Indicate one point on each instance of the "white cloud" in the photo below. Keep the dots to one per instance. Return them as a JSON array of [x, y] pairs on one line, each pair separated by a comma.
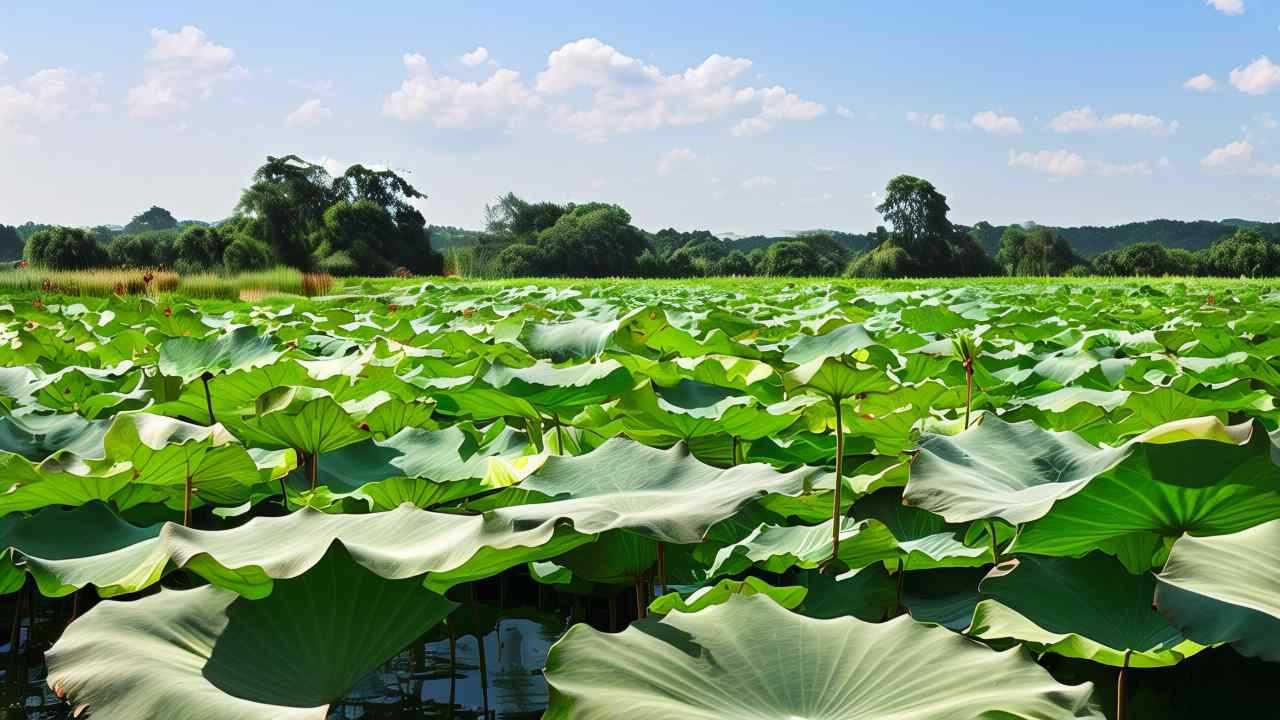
[[628, 95], [758, 182], [1058, 163], [1227, 7], [672, 159], [3, 58], [750, 127], [1238, 158], [997, 124], [48, 96], [1257, 78], [935, 121], [451, 103], [475, 57], [1085, 119], [844, 112], [311, 112], [181, 67], [1200, 83]]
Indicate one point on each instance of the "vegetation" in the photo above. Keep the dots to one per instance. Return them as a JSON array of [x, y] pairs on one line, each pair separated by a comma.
[[281, 495]]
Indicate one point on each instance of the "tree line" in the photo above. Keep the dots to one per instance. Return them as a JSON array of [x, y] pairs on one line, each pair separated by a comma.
[[364, 222]]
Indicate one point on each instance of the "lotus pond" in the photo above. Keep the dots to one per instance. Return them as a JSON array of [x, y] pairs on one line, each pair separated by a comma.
[[757, 500]]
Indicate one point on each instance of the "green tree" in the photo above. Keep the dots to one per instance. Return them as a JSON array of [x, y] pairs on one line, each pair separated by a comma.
[[1245, 253], [514, 217], [364, 232], [155, 218], [244, 254], [519, 260], [918, 214], [592, 240], [734, 264], [10, 243], [64, 248], [790, 259], [288, 198], [1036, 251], [200, 249]]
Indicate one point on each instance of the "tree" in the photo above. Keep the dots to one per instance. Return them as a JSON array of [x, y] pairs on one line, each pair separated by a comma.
[[245, 254], [918, 214], [517, 218], [288, 197], [10, 243], [64, 248], [592, 240], [156, 218], [1038, 251], [519, 260], [200, 249], [886, 261], [1245, 253], [734, 264], [364, 232], [155, 248], [789, 259]]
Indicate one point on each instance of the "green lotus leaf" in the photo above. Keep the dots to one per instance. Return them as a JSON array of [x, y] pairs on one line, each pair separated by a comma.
[[705, 597], [749, 658], [868, 594], [552, 388], [65, 550], [667, 495], [240, 349], [1097, 610], [36, 437], [776, 548], [841, 342], [210, 654], [308, 419], [840, 378], [690, 409], [1226, 589]]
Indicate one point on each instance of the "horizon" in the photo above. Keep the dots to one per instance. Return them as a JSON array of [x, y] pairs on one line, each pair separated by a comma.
[[758, 124]]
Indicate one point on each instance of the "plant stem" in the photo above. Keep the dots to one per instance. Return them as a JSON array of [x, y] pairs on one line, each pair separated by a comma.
[[902, 574], [835, 501], [734, 459], [640, 599], [1121, 699], [313, 469], [186, 498], [208, 399], [484, 676], [995, 550], [662, 567], [968, 390]]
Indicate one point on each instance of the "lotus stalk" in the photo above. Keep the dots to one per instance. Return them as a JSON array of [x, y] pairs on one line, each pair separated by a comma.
[[835, 496], [208, 398], [1121, 690], [964, 347], [484, 674], [662, 568], [995, 548]]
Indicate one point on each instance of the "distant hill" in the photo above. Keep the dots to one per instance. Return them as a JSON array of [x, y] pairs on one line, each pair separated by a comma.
[[1091, 240]]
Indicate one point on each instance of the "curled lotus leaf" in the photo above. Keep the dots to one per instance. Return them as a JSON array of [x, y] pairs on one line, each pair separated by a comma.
[[241, 349], [210, 654], [750, 658], [1226, 588]]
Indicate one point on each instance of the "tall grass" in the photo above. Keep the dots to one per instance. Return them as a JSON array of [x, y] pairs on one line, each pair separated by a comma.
[[107, 282]]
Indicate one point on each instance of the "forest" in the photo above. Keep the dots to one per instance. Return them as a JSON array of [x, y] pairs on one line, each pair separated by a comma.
[[293, 213]]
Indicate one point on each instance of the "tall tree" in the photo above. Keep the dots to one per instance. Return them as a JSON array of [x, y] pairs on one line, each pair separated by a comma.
[[918, 214], [10, 243], [155, 218]]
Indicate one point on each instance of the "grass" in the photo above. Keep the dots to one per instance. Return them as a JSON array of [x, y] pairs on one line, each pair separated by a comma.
[[107, 282]]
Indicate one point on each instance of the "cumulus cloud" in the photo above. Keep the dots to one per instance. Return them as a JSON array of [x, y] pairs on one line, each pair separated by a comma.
[[1200, 83], [1085, 119], [1238, 158], [181, 67], [844, 112], [48, 96], [1257, 78], [447, 102], [3, 58], [476, 57], [934, 121], [997, 124], [1227, 7], [672, 159], [1057, 163], [759, 182], [311, 112], [628, 95]]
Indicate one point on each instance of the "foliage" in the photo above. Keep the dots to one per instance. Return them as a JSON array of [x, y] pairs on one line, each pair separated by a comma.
[[155, 218], [64, 248]]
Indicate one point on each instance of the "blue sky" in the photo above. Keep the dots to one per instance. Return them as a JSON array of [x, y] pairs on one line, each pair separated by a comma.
[[734, 117]]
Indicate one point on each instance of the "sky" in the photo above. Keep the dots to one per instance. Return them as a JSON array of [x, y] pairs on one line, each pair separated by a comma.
[[746, 117]]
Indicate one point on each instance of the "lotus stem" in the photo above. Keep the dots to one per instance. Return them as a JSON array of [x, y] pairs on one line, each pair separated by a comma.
[[1121, 692], [968, 390], [453, 667], [186, 497], [835, 496], [991, 534], [313, 469], [555, 420], [208, 398], [662, 567], [484, 675], [640, 598], [902, 576], [733, 455]]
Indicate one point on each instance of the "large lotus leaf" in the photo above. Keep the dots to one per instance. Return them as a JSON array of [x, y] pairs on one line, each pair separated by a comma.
[[209, 654], [36, 437], [995, 469], [230, 393], [777, 548], [555, 389], [690, 409], [843, 341], [925, 540], [307, 419], [718, 594], [667, 495], [1193, 476], [752, 659], [240, 349], [841, 377], [65, 550], [1226, 589], [868, 594], [1089, 607]]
